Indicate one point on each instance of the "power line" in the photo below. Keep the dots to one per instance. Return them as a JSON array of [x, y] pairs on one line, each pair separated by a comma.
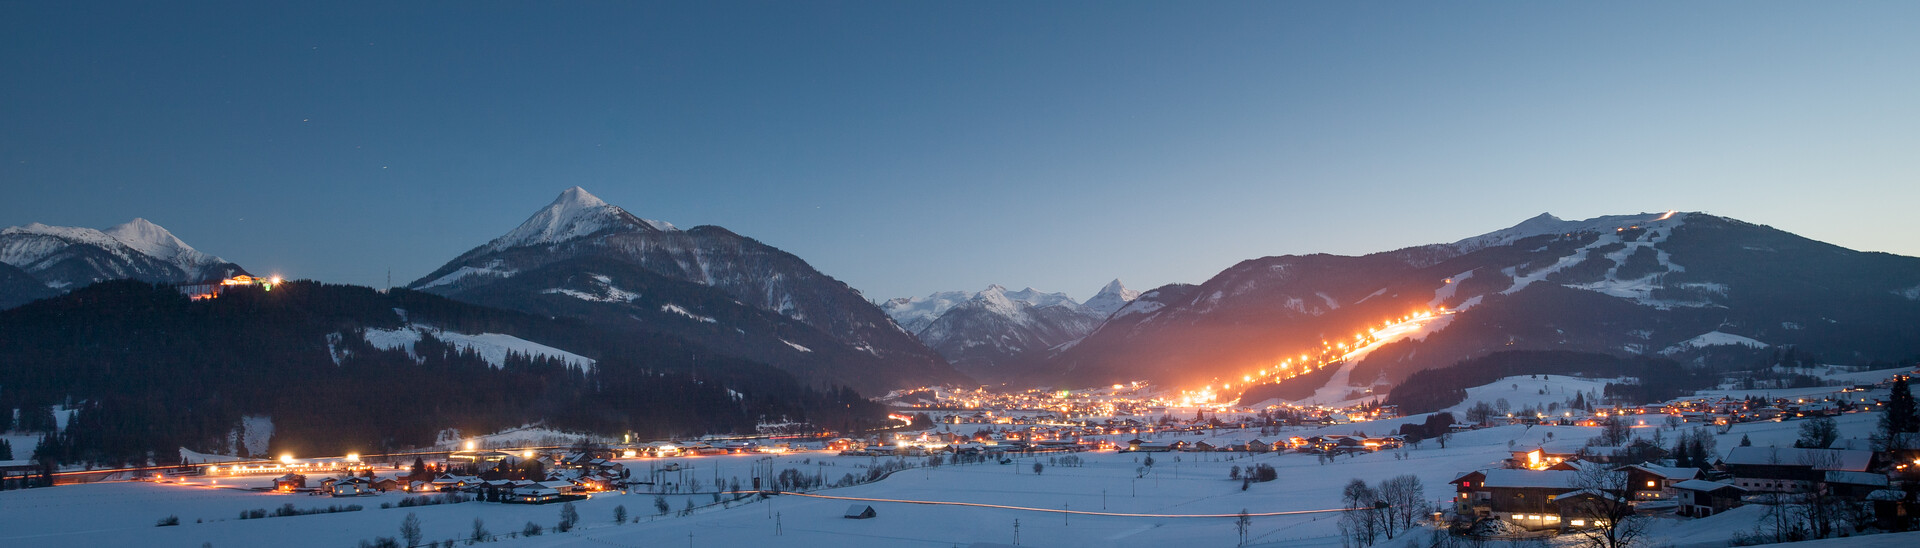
[[1067, 511]]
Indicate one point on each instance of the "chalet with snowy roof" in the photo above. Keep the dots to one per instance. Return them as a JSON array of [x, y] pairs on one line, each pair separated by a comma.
[[1776, 470], [289, 483], [352, 487], [1523, 497], [531, 493], [1655, 482], [1143, 446], [1702, 498], [1854, 485]]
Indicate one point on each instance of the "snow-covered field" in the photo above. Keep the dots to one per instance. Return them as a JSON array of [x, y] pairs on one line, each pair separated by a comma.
[[123, 514]]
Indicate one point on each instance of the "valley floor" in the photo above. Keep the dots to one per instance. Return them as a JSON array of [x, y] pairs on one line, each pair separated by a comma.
[[124, 513]]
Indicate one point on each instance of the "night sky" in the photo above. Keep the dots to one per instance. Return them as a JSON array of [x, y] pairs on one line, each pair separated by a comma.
[[909, 147]]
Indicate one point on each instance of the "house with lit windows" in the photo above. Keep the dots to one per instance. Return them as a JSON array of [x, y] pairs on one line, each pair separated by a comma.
[[1654, 482], [1522, 497]]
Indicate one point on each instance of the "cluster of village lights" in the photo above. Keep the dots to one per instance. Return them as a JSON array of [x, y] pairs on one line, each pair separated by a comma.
[[1330, 352]]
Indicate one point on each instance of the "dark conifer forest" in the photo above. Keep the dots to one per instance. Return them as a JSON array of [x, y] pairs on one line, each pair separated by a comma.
[[145, 372]]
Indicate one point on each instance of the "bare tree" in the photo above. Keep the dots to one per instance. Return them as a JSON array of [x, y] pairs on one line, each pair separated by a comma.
[[1242, 525], [410, 529], [1823, 511], [1600, 501], [1406, 502], [1361, 523]]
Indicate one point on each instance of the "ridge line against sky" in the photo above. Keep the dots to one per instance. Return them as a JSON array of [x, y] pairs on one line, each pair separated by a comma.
[[912, 149]]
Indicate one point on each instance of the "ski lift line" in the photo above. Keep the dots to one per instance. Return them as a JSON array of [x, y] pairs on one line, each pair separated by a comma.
[[1060, 511]]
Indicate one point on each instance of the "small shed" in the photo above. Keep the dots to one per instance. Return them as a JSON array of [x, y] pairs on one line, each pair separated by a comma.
[[859, 511]]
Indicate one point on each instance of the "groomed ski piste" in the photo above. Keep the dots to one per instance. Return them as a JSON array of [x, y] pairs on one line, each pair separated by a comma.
[[1184, 499]]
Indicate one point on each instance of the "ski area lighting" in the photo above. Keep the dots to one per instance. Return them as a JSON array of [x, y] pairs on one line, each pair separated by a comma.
[[1059, 510], [1331, 352]]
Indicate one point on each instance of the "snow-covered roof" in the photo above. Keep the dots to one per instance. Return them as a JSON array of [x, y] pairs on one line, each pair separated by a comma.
[[1704, 485], [1856, 478], [1669, 472], [1523, 479], [1828, 459]]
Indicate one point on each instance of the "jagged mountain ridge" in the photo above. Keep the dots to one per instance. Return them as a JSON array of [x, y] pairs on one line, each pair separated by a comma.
[[982, 334], [1622, 285], [876, 354], [44, 261]]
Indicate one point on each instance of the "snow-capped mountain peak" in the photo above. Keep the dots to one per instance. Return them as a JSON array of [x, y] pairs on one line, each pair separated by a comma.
[[575, 213], [149, 238], [1111, 298], [62, 258]]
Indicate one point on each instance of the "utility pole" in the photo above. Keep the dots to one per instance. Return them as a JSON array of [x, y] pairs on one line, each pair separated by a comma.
[[1016, 532], [777, 531], [1066, 515]]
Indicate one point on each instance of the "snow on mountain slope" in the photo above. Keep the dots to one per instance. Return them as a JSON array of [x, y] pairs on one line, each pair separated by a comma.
[[465, 271], [980, 332], [1714, 338], [1546, 223], [608, 293], [572, 215], [577, 235], [914, 313], [24, 252], [144, 236], [492, 347], [63, 258], [1110, 299]]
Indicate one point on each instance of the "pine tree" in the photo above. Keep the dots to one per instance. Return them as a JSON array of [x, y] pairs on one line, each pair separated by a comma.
[[6, 450], [1900, 421], [1745, 442]]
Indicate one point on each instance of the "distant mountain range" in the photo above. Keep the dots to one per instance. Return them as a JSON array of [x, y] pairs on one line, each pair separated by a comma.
[[583, 258], [39, 261], [1689, 286], [984, 333]]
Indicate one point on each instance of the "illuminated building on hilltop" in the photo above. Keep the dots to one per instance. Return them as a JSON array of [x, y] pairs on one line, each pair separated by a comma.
[[211, 289]]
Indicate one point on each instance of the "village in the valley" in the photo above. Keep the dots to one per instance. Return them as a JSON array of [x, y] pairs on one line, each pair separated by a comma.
[[1525, 458]]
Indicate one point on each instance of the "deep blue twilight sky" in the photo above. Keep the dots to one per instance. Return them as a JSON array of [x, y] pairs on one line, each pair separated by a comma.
[[908, 147]]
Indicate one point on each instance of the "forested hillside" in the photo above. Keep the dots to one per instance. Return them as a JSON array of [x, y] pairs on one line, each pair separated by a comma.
[[144, 371]]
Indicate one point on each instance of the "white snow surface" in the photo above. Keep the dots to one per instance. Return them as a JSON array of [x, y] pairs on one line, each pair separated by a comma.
[[608, 293], [1110, 299], [916, 313], [251, 437], [144, 236], [572, 215], [1447, 288], [1714, 338], [796, 346], [138, 236], [492, 347], [465, 271], [1546, 223], [123, 513], [676, 309]]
